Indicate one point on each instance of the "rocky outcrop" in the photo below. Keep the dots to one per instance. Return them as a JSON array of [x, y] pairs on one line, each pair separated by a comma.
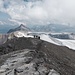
[[25, 62]]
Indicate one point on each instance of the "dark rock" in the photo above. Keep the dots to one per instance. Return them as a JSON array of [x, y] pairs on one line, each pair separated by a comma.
[[19, 70], [28, 60], [30, 54]]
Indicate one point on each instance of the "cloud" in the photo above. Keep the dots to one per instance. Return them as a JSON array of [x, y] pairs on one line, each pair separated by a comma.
[[40, 12]]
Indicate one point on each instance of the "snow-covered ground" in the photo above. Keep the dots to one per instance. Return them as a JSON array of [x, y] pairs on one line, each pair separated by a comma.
[[50, 39], [21, 34], [68, 43], [62, 42]]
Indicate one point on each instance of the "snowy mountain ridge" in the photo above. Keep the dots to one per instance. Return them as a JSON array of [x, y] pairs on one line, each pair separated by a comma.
[[61, 42]]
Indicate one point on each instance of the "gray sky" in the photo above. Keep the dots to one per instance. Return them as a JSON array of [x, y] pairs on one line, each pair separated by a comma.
[[41, 12]]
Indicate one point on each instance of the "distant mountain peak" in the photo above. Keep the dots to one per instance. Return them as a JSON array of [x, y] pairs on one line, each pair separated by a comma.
[[22, 25], [20, 28]]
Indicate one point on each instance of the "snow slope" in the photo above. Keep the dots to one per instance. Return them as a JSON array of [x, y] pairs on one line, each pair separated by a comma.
[[68, 43], [21, 34], [50, 39], [61, 42]]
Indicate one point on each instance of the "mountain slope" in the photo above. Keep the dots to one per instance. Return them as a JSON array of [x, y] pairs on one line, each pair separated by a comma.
[[45, 55]]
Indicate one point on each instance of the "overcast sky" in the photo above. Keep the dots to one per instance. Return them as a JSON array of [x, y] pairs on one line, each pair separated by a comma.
[[41, 12]]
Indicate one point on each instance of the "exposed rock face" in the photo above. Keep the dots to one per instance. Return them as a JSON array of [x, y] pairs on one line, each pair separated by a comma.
[[35, 57]]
